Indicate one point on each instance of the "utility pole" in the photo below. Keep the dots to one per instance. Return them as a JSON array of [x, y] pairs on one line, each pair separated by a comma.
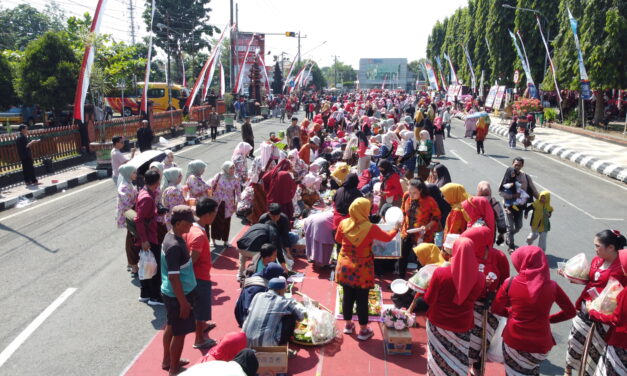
[[299, 48], [131, 11], [231, 48], [335, 71]]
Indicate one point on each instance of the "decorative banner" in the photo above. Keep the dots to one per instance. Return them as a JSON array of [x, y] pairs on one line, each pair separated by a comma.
[[489, 101], [246, 60], [384, 80], [289, 73], [453, 74], [144, 103], [222, 86], [439, 62], [433, 81], [305, 76], [265, 72], [243, 66], [472, 71], [481, 84], [487, 43], [212, 68], [183, 69], [500, 93], [522, 44], [586, 93], [297, 78], [88, 60], [548, 54], [530, 84]]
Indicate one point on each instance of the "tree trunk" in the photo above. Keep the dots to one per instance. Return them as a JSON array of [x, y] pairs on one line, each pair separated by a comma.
[[599, 108]]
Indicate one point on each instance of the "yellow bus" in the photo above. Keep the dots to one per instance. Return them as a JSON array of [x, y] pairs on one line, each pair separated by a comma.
[[157, 92]]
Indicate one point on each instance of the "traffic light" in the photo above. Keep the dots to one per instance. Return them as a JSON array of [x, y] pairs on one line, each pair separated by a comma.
[[290, 34]]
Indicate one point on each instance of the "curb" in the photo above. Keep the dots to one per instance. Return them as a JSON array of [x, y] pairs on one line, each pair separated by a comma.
[[598, 165], [49, 190]]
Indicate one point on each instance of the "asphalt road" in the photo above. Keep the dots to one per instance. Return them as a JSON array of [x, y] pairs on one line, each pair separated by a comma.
[[70, 241]]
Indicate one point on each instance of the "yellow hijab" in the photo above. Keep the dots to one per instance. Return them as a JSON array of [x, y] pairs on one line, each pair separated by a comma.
[[455, 194], [340, 173], [357, 225], [428, 253], [538, 210]]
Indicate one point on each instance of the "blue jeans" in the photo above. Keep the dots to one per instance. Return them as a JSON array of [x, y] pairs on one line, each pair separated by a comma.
[[512, 139]]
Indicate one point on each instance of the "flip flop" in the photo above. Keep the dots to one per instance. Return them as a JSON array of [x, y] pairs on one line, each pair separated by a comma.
[[182, 363], [210, 327], [209, 343]]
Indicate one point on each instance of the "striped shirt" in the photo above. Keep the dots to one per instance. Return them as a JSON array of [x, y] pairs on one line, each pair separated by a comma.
[[263, 324]]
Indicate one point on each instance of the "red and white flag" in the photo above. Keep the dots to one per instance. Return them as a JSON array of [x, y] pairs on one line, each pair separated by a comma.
[[238, 83], [144, 108], [222, 87], [289, 74], [265, 72], [212, 69], [88, 60]]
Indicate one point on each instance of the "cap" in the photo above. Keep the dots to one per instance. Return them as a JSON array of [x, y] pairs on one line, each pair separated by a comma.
[[182, 213], [277, 284]]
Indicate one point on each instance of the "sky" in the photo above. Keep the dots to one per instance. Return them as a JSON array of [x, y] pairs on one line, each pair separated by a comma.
[[348, 29]]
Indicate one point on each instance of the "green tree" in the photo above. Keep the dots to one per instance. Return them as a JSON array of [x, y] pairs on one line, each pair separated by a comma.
[[49, 72], [339, 72], [500, 20], [21, 25], [277, 82], [7, 94], [564, 52], [481, 54]]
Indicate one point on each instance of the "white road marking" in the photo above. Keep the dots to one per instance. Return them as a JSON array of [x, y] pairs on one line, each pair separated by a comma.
[[552, 191], [458, 156], [30, 329]]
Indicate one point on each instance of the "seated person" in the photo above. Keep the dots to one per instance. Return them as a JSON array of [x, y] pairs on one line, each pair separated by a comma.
[[230, 345], [272, 317], [257, 283], [250, 244], [244, 363], [282, 224], [266, 255]]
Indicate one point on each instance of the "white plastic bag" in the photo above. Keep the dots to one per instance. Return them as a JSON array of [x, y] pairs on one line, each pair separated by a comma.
[[607, 301], [577, 267], [495, 351], [147, 265], [321, 323]]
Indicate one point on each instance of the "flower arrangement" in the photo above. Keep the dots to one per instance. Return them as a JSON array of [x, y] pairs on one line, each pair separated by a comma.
[[398, 319], [524, 106]]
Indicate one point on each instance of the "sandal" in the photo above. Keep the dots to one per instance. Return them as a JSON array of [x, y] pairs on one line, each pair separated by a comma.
[[209, 343], [365, 334], [210, 326], [182, 363]]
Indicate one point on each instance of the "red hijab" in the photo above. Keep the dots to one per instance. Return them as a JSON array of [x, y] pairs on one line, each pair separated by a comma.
[[482, 237], [479, 207], [279, 184], [232, 343], [464, 268], [532, 267], [622, 254]]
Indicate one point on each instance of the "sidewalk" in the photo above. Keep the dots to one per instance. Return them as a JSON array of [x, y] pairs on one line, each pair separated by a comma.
[[22, 195], [604, 157]]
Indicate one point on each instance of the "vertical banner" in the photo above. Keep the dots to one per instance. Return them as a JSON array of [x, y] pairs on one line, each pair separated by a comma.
[[289, 73], [222, 83], [487, 43], [246, 45], [530, 84], [88, 60], [586, 92], [433, 81], [238, 83], [481, 84], [144, 103], [548, 54], [183, 69], [264, 72], [489, 100], [297, 78], [440, 70], [454, 79], [212, 68], [383, 84], [472, 71]]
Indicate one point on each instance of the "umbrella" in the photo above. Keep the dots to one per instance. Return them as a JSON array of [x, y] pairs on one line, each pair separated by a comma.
[[142, 161], [477, 115]]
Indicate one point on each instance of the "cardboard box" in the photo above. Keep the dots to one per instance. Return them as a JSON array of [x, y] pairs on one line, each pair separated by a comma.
[[397, 342], [272, 360]]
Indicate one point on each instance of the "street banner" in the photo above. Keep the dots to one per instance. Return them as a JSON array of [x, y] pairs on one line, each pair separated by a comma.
[[586, 93], [212, 68], [548, 54], [244, 62], [289, 73], [500, 93], [251, 43], [439, 62], [297, 78], [264, 72], [433, 81], [144, 103], [530, 84], [205, 68], [305, 76], [489, 101], [481, 84], [88, 60], [222, 82], [453, 74], [472, 71], [183, 69]]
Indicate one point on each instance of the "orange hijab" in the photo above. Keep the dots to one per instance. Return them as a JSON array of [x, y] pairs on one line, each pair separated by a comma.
[[357, 225]]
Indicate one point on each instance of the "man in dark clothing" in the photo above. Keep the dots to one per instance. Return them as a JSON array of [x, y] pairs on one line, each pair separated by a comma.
[[26, 156], [212, 99], [214, 122], [250, 244], [144, 136], [282, 223], [247, 134], [257, 283]]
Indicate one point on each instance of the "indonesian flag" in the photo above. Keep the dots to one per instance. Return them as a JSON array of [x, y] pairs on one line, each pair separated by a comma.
[[144, 108], [289, 74], [222, 87], [88, 60], [212, 69], [243, 67], [265, 72]]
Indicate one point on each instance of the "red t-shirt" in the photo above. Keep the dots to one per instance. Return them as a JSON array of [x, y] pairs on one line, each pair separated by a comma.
[[196, 240]]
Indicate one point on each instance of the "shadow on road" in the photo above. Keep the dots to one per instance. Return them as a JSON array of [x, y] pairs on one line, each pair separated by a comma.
[[35, 242], [553, 260]]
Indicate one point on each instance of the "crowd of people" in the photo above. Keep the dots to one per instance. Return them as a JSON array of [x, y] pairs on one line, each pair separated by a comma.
[[354, 157]]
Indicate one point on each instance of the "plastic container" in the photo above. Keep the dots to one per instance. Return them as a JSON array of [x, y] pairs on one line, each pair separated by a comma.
[[393, 216]]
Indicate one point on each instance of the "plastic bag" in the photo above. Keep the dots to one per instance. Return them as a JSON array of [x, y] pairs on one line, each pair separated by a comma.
[[577, 267], [420, 281], [606, 302], [320, 325], [147, 265], [495, 351]]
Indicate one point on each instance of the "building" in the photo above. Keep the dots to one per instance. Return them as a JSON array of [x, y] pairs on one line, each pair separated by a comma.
[[374, 73]]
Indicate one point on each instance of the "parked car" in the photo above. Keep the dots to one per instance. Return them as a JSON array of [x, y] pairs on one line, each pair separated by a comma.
[[23, 115]]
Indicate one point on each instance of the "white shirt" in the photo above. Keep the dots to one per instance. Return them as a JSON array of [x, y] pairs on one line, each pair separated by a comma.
[[117, 160]]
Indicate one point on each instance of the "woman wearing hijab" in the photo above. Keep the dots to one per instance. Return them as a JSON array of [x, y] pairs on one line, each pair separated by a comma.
[[445, 209], [540, 224], [482, 132], [604, 266], [127, 196], [172, 194], [438, 134], [196, 186], [425, 152], [479, 212], [240, 160], [391, 189], [162, 228], [228, 348], [343, 199], [419, 211], [408, 160], [362, 146], [299, 166], [355, 264], [495, 267], [339, 174], [226, 191], [168, 162], [451, 296], [245, 363], [484, 190], [614, 359], [526, 301], [280, 187], [457, 220]]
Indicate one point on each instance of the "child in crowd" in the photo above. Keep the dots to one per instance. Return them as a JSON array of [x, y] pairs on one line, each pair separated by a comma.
[[512, 186], [540, 224]]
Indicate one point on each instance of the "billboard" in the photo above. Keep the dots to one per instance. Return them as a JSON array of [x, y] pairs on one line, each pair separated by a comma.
[[241, 44], [373, 72]]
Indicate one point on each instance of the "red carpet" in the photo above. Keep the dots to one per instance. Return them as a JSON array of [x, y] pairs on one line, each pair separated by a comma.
[[345, 356]]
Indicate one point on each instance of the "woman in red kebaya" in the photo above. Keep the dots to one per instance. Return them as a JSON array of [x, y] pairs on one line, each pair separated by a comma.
[[451, 296], [495, 267], [604, 266], [526, 300], [614, 359]]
